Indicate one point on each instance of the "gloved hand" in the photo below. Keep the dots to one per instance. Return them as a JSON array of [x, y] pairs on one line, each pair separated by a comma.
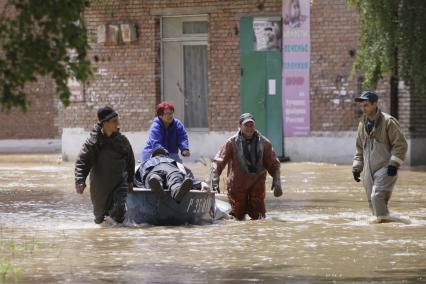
[[186, 153], [205, 186], [276, 186], [79, 188], [215, 187], [215, 182], [130, 187], [357, 176], [392, 170]]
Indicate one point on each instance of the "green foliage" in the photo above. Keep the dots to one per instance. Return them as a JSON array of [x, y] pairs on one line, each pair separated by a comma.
[[9, 248], [392, 42], [41, 38], [9, 271]]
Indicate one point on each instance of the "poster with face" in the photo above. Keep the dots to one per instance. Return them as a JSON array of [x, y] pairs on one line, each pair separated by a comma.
[[294, 16], [267, 34]]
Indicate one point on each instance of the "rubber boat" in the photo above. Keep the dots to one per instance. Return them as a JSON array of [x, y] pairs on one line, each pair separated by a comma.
[[197, 208]]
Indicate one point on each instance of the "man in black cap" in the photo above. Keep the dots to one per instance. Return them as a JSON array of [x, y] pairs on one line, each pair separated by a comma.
[[380, 150], [108, 156], [249, 156]]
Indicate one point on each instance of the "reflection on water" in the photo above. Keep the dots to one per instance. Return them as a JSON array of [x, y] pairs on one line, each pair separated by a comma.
[[319, 232]]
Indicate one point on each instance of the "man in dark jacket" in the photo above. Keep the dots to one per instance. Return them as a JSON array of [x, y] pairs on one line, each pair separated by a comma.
[[108, 156]]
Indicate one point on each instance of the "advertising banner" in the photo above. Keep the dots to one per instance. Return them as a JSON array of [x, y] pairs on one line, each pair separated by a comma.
[[296, 64]]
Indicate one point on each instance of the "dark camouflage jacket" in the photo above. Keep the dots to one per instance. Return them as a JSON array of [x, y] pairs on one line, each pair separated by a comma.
[[97, 142]]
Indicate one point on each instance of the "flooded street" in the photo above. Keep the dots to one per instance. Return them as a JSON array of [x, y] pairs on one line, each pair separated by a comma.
[[318, 232]]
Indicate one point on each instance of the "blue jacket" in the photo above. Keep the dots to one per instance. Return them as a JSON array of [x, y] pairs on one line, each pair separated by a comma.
[[172, 139]]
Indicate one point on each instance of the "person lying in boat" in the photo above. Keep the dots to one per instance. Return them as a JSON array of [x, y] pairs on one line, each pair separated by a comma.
[[160, 171]]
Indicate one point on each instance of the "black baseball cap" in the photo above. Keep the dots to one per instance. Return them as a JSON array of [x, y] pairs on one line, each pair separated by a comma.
[[367, 96], [106, 113], [246, 117]]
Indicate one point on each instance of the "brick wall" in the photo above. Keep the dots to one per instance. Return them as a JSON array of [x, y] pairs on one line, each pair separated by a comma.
[[334, 40], [418, 117], [126, 73], [411, 113], [40, 121], [128, 76], [404, 108]]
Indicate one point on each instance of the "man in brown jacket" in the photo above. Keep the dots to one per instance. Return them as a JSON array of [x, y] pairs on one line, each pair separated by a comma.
[[108, 156], [380, 150], [249, 156]]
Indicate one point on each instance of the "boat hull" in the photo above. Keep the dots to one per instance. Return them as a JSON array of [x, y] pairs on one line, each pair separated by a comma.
[[197, 207]]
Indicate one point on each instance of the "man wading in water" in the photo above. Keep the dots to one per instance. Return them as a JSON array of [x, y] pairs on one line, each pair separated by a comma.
[[249, 156], [380, 150], [108, 156]]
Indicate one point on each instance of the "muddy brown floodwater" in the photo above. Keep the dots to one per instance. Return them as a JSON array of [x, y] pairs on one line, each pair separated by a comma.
[[318, 232]]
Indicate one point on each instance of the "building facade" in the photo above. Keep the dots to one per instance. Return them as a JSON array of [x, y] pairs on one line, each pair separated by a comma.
[[189, 52]]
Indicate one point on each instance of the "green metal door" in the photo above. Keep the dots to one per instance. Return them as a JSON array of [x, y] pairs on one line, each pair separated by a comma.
[[253, 87], [260, 85]]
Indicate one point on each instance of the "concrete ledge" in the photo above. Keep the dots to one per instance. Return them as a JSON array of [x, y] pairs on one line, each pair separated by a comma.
[[339, 148], [30, 146], [416, 155], [203, 144], [326, 147]]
